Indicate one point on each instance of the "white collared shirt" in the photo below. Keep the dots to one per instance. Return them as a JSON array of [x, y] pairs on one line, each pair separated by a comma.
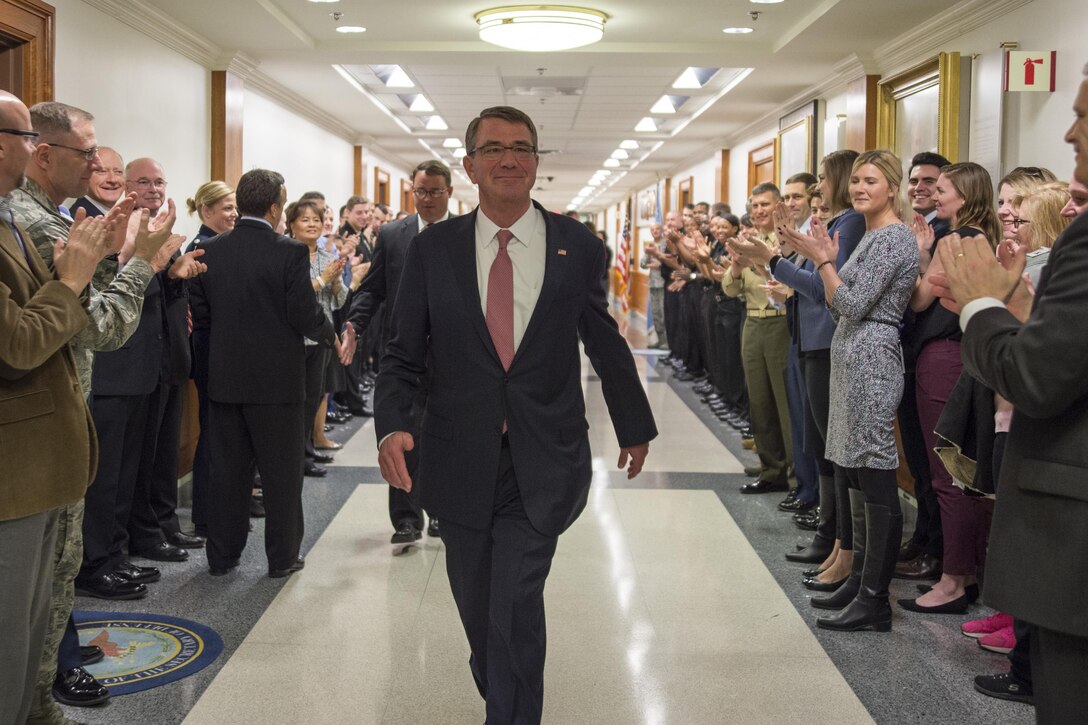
[[423, 225], [527, 253]]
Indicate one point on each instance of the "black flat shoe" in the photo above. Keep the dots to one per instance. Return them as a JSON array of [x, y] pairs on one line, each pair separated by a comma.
[[971, 591], [299, 565], [814, 553], [818, 586], [137, 574], [432, 529], [956, 606], [90, 654], [313, 470], [223, 570], [111, 587], [321, 458], [814, 571], [163, 551], [1005, 686], [79, 688]]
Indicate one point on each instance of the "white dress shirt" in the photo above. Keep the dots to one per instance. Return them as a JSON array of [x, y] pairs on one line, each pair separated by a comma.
[[423, 225], [974, 307], [527, 253]]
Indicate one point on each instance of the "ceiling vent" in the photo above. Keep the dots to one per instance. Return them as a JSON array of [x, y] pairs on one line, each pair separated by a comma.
[[544, 86]]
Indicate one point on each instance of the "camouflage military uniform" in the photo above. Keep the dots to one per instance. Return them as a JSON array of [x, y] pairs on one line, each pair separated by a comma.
[[114, 312]]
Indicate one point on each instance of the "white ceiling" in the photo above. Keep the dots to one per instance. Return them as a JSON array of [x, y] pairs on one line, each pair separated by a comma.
[[647, 44]]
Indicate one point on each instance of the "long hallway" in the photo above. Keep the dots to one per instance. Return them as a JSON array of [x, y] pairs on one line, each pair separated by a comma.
[[669, 602]]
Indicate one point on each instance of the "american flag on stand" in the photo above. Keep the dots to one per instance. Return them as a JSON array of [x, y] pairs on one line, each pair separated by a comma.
[[623, 252]]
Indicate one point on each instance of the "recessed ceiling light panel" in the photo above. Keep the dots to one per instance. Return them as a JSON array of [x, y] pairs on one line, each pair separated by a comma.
[[737, 31], [646, 125], [350, 29], [629, 144], [435, 123], [695, 77]]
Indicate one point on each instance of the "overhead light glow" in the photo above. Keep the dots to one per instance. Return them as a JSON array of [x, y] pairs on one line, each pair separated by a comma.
[[460, 153], [603, 172], [737, 31], [420, 104], [619, 154], [350, 29], [646, 125], [594, 181], [452, 143], [435, 123], [695, 77], [611, 163], [663, 105], [536, 28], [628, 144], [324, 1], [398, 79], [766, 2]]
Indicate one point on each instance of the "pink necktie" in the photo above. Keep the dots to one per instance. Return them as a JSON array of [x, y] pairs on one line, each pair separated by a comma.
[[500, 301]]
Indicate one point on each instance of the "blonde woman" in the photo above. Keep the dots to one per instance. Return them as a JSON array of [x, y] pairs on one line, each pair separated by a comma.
[[867, 297], [214, 205]]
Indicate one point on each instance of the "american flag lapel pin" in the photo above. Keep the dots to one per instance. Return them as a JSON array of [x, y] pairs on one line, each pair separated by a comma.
[[563, 252]]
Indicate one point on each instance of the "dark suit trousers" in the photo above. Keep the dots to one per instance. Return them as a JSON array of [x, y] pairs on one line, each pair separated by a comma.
[[1059, 662], [927, 527], [155, 502], [728, 323], [120, 421], [497, 577], [273, 435], [317, 360]]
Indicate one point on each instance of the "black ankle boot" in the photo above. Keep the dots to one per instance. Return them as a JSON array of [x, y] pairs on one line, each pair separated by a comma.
[[870, 609], [817, 551], [849, 589]]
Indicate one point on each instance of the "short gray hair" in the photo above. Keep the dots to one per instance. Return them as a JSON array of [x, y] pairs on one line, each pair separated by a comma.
[[52, 118], [767, 187], [503, 113]]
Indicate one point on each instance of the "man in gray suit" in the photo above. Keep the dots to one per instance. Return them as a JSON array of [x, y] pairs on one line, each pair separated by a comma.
[[431, 188], [1035, 354]]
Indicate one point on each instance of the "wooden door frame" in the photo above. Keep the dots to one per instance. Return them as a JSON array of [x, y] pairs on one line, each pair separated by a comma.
[[758, 157], [34, 23]]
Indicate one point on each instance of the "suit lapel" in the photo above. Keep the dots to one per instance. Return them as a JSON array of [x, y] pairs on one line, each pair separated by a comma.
[[461, 253], [10, 245], [553, 275]]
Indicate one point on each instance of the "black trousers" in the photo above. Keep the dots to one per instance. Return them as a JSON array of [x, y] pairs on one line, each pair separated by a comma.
[[676, 322], [816, 370], [272, 434], [497, 576], [1059, 666], [155, 500], [708, 313], [728, 324], [317, 360], [121, 422], [695, 357], [927, 527]]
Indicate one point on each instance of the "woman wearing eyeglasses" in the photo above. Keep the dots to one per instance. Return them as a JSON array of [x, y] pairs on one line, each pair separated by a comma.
[[1017, 183], [964, 197]]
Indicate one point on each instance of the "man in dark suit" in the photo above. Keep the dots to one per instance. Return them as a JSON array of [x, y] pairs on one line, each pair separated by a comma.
[[490, 310], [431, 188], [256, 379], [1035, 355]]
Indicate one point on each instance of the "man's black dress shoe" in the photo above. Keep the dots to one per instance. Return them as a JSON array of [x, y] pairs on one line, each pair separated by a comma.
[[922, 567], [809, 520], [327, 428], [319, 458], [78, 688], [791, 496], [223, 570], [797, 505], [811, 582], [406, 533], [89, 654], [163, 551], [110, 586], [956, 606], [909, 551], [314, 471], [299, 565], [186, 541], [684, 376], [971, 591], [1005, 686], [137, 574], [762, 487], [256, 508], [432, 529]]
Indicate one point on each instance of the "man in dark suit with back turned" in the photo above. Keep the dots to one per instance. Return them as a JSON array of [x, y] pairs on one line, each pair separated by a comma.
[[490, 310], [431, 188], [257, 373], [1036, 355]]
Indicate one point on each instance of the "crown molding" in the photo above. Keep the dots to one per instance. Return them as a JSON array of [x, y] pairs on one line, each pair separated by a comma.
[[938, 33], [161, 28]]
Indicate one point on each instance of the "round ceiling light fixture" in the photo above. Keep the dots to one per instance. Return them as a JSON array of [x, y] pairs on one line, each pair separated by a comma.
[[538, 28], [350, 29]]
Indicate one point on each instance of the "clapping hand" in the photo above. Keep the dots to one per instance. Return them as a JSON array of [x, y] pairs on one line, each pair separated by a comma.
[[923, 235], [818, 246], [119, 216], [973, 271], [186, 266], [75, 258], [750, 249], [781, 216]]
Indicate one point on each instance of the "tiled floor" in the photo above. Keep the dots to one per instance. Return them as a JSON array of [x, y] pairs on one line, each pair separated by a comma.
[[669, 602]]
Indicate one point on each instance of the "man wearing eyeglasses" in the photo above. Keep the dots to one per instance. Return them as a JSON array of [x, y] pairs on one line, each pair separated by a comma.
[[431, 189], [486, 327]]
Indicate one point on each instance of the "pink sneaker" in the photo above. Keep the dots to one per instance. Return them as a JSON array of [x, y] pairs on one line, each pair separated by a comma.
[[981, 627], [1002, 641]]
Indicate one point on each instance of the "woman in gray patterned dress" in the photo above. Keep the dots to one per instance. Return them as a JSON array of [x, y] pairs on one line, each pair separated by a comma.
[[867, 298]]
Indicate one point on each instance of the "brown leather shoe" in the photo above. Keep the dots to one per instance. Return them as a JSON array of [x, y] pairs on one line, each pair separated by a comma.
[[924, 567]]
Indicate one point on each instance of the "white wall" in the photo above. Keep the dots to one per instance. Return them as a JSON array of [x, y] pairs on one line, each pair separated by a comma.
[[147, 100], [309, 157], [705, 176]]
